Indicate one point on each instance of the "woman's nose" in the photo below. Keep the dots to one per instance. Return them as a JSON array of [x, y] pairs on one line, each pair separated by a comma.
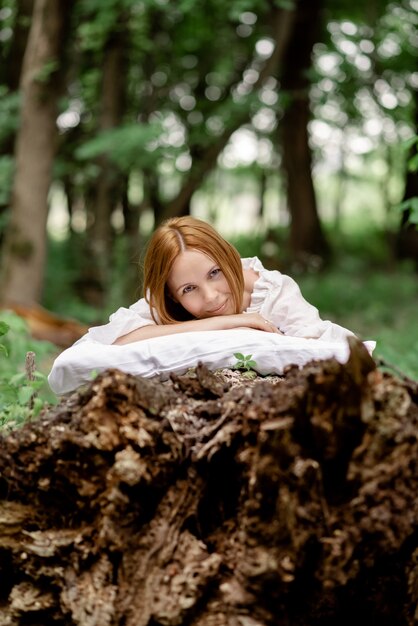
[[209, 293]]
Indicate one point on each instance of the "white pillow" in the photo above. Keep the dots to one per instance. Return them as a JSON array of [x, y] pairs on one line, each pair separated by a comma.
[[177, 353]]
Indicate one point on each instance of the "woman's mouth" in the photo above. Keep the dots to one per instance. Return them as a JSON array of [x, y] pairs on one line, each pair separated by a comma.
[[219, 309]]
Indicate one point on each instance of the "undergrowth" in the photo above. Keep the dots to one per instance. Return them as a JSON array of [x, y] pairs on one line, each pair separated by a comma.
[[24, 390]]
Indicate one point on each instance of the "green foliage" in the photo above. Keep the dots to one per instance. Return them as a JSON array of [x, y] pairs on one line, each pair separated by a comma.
[[9, 109], [411, 146], [289, 5], [45, 73], [375, 299], [3, 330], [244, 362], [61, 293], [127, 146], [6, 174], [21, 399], [410, 205], [245, 365]]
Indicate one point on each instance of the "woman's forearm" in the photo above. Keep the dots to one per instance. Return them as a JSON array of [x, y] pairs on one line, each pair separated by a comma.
[[222, 322], [157, 330]]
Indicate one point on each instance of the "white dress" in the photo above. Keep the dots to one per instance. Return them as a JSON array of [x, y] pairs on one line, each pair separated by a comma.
[[275, 296]]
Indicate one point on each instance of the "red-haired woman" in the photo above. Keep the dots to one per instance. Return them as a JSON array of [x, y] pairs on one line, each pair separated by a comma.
[[195, 280]]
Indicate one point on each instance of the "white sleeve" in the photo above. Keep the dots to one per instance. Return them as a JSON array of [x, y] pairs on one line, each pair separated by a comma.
[[293, 315], [120, 323]]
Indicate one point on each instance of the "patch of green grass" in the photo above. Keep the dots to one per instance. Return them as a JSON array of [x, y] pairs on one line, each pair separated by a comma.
[[375, 304]]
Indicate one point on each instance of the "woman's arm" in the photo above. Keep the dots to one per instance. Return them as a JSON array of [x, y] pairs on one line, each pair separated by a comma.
[[295, 316], [221, 322]]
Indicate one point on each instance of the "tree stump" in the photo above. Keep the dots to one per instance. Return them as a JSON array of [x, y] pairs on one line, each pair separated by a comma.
[[190, 502]]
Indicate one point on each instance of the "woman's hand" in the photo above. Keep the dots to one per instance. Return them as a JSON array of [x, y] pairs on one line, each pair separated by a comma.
[[240, 320]]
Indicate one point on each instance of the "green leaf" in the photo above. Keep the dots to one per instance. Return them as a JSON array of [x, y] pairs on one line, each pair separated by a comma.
[[46, 71], [239, 356], [3, 328], [18, 379], [24, 395], [413, 216], [409, 143], [411, 204], [413, 163], [251, 363]]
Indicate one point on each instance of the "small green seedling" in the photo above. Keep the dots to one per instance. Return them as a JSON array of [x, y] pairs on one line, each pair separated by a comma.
[[244, 362]]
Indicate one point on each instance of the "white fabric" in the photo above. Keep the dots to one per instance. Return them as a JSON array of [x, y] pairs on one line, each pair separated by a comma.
[[275, 296], [177, 353]]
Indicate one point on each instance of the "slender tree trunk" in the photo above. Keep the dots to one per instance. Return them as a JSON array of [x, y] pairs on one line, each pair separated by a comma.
[[25, 242], [306, 234], [11, 70], [262, 195], [108, 185], [133, 247], [407, 240]]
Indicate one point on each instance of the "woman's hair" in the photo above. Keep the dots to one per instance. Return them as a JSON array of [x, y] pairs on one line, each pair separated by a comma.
[[168, 241]]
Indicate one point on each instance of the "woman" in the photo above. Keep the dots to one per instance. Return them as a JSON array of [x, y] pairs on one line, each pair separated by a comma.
[[195, 280]]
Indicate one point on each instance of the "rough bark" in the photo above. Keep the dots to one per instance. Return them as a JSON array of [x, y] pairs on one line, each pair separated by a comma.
[[141, 503], [307, 238], [25, 241]]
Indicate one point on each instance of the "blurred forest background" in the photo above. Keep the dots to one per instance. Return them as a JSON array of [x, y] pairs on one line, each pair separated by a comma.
[[291, 125]]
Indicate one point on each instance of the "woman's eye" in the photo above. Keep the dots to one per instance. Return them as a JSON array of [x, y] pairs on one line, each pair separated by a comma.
[[188, 289], [214, 272]]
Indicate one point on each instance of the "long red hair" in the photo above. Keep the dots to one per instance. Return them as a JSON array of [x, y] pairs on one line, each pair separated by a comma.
[[168, 241]]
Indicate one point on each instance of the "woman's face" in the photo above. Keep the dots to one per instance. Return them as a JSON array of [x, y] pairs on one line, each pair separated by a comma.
[[198, 284]]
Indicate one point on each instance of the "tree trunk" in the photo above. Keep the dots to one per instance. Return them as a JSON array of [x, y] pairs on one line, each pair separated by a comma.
[[11, 69], [109, 184], [25, 241], [141, 503], [306, 234], [407, 240]]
